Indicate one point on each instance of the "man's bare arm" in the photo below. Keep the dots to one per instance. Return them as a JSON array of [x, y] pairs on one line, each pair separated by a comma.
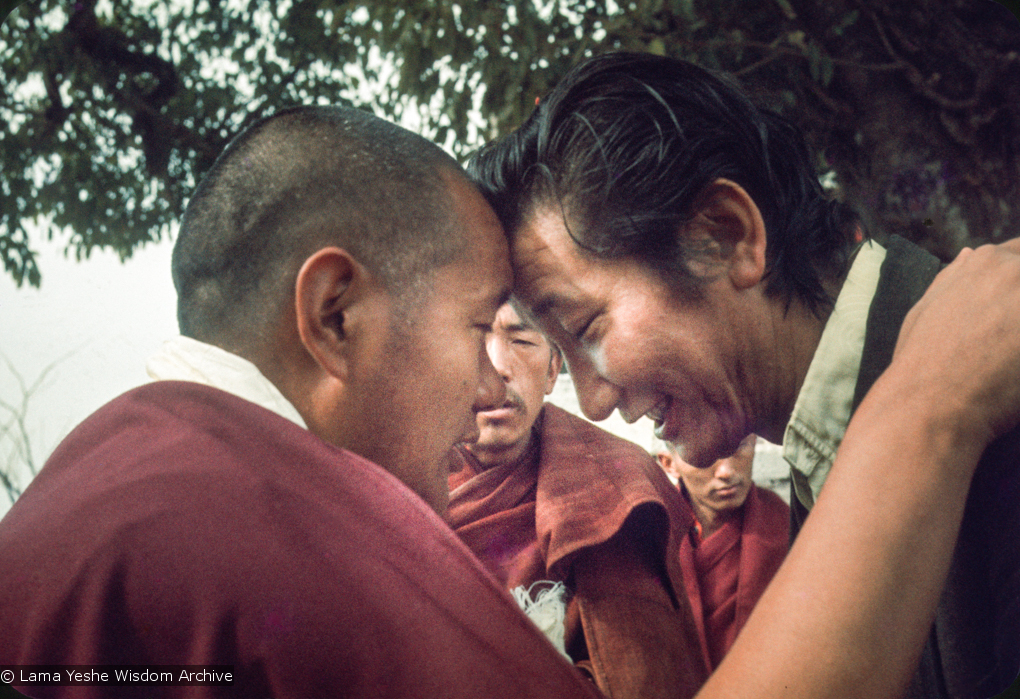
[[848, 612]]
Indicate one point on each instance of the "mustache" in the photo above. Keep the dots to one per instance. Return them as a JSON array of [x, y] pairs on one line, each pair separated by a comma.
[[512, 400]]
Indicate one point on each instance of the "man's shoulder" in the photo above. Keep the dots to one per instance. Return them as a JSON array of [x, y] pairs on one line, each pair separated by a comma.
[[771, 500], [215, 518], [184, 464], [767, 515]]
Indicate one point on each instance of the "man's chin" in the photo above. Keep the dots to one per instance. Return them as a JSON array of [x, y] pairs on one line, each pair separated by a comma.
[[494, 440], [489, 446]]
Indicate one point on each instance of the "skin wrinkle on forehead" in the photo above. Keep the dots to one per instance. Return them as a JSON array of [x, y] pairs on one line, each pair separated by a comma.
[[547, 307]]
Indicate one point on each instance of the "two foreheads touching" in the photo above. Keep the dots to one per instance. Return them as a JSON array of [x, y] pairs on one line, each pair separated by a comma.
[[626, 147]]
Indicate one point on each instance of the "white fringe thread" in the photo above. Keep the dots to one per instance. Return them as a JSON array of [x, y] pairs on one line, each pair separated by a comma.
[[547, 609]]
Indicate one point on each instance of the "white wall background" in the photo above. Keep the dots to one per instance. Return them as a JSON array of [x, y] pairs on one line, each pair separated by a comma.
[[95, 321]]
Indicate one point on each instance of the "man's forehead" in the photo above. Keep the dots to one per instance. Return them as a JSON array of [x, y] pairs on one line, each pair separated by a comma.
[[512, 317], [486, 257], [541, 253]]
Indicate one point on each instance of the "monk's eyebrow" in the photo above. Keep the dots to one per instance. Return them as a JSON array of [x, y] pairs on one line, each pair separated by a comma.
[[521, 328]]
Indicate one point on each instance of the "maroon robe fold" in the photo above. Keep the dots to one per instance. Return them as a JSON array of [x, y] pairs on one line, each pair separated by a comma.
[[727, 572], [183, 525], [595, 512]]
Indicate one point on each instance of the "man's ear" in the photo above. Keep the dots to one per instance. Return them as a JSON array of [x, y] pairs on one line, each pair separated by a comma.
[[726, 213], [667, 464], [329, 285], [555, 363]]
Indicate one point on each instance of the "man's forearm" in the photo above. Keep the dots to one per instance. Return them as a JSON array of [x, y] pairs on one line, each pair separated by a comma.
[[847, 613]]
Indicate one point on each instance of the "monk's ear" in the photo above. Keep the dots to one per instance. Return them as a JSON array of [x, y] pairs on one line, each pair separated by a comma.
[[725, 214], [331, 290]]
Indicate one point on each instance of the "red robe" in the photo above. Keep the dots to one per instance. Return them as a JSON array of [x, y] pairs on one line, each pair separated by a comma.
[[183, 525], [596, 512], [728, 571]]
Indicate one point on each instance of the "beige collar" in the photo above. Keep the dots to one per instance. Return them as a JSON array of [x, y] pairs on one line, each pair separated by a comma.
[[187, 359], [825, 401]]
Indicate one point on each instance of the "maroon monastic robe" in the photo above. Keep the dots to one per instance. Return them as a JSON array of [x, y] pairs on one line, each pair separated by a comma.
[[183, 525], [596, 512], [728, 571]]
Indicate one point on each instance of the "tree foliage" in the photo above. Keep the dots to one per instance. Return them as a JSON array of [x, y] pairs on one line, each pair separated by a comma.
[[114, 109]]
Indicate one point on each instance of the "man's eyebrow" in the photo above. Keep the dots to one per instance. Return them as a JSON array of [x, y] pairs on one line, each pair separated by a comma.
[[521, 328]]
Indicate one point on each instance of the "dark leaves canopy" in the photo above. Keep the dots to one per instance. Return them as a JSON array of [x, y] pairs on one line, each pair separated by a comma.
[[113, 110]]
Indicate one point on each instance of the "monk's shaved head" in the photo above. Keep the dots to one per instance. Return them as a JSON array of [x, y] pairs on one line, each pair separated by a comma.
[[295, 182]]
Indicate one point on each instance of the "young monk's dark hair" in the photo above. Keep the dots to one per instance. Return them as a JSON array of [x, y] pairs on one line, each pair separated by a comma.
[[626, 143], [299, 180]]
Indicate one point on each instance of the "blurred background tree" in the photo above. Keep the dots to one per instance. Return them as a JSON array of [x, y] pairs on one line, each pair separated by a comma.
[[115, 109]]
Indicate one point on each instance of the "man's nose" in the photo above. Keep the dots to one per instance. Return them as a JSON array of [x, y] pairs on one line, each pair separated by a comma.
[[499, 354], [724, 470], [491, 386], [597, 397]]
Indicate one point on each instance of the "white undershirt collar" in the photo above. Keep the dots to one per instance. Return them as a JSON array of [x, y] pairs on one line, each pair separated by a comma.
[[187, 359]]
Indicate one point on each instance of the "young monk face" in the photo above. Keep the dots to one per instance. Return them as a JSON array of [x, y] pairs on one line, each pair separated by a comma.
[[528, 366], [720, 488], [631, 344]]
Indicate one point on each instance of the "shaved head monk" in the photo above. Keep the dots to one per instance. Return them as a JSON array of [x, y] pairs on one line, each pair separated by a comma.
[[269, 504], [580, 525]]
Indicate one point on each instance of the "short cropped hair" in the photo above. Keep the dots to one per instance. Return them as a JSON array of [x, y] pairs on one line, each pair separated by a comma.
[[295, 182], [626, 143]]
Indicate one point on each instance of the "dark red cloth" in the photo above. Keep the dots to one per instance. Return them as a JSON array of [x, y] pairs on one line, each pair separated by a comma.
[[182, 525], [727, 572], [596, 512]]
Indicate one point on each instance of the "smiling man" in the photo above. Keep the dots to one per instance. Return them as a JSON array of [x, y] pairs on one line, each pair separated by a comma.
[[674, 241], [270, 502], [580, 525]]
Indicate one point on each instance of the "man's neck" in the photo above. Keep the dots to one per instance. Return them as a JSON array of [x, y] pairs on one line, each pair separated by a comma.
[[788, 348], [711, 520]]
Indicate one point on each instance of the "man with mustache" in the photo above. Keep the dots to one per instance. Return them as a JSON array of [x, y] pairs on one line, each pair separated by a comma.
[[733, 548], [580, 525], [270, 503]]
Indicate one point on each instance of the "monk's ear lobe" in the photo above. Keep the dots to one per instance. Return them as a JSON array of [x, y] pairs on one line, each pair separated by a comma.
[[326, 288], [726, 213]]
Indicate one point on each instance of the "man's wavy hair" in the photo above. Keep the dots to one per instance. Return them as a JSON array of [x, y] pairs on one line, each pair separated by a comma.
[[625, 145]]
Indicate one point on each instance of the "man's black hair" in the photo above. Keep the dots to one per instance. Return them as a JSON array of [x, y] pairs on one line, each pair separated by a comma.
[[625, 145], [292, 183]]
